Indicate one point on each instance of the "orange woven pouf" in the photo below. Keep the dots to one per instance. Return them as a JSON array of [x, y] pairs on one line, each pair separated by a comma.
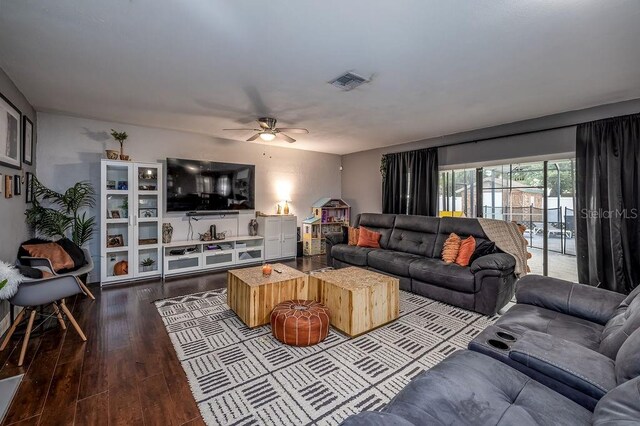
[[300, 322]]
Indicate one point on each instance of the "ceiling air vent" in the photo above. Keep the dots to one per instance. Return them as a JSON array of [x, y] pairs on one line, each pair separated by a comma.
[[348, 81]]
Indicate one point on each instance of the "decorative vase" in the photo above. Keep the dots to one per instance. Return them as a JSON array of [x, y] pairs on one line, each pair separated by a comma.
[[286, 208], [253, 228], [112, 154], [167, 233], [279, 211], [121, 268]]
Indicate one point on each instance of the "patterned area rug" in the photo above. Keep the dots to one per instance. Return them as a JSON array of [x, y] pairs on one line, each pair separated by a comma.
[[244, 376]]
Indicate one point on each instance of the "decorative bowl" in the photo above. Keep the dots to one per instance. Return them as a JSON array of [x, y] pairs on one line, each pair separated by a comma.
[[124, 157]]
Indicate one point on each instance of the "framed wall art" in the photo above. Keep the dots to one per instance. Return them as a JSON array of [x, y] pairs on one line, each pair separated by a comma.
[[17, 185], [28, 183], [27, 140], [8, 186], [10, 134]]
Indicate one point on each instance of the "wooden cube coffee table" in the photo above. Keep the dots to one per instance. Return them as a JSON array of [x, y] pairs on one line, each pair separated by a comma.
[[253, 296], [358, 300]]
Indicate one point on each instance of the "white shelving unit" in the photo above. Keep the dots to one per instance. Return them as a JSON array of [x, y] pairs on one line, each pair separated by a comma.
[[195, 256], [130, 220]]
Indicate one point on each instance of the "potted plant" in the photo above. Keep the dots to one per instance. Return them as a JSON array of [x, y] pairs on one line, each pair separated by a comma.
[[56, 214], [120, 137], [147, 264]]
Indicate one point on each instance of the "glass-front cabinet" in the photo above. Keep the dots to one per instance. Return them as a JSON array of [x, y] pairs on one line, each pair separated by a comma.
[[131, 220]]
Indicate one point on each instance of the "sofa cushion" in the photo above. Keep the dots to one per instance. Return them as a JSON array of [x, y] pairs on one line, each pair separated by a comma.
[[352, 255], [469, 388], [483, 249], [368, 238], [382, 223], [414, 234], [462, 226], [521, 317], [627, 360], [467, 247], [451, 248], [393, 262], [448, 275], [624, 321], [621, 406]]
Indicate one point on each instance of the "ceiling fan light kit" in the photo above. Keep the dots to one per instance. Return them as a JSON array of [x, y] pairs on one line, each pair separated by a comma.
[[268, 131], [267, 137]]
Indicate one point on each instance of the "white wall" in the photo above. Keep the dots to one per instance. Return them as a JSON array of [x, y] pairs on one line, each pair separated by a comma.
[[71, 148]]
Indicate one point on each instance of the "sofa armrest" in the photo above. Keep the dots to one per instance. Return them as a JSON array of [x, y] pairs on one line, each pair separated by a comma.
[[495, 261], [334, 238], [578, 300], [585, 370]]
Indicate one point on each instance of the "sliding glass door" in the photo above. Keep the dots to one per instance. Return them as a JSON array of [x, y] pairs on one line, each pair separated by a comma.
[[538, 195]]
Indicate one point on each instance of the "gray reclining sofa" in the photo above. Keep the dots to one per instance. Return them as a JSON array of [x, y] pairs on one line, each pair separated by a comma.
[[411, 248], [565, 354]]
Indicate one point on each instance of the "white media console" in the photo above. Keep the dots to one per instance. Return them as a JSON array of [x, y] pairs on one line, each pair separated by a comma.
[[181, 257]]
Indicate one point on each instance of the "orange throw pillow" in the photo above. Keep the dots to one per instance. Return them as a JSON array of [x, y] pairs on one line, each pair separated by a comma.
[[353, 236], [59, 258], [368, 238], [467, 247], [450, 248]]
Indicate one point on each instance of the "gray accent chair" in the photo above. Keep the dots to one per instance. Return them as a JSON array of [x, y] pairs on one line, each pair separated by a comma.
[[44, 263], [571, 337], [33, 294], [411, 249], [470, 388]]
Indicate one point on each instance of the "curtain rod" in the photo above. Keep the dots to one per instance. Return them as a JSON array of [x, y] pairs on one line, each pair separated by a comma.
[[532, 131], [507, 135]]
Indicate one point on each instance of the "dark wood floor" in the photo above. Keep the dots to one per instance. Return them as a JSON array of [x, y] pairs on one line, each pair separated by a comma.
[[127, 372]]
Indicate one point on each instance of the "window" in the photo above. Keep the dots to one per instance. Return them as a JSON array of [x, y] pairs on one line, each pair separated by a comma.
[[539, 195]]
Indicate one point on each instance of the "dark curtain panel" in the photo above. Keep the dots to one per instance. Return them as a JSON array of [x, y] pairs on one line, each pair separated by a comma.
[[608, 202], [412, 173]]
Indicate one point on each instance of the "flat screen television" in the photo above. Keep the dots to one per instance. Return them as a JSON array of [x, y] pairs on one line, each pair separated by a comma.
[[207, 186]]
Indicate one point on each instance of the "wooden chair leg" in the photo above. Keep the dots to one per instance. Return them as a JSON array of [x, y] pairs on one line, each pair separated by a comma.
[[27, 334], [12, 329], [85, 289], [59, 315], [73, 321]]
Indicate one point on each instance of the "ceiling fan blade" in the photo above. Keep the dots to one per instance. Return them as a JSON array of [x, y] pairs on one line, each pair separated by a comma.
[[254, 137], [294, 130], [285, 137], [245, 130]]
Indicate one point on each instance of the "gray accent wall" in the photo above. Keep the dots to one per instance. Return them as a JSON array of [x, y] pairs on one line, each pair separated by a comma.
[[73, 148], [12, 225], [362, 183]]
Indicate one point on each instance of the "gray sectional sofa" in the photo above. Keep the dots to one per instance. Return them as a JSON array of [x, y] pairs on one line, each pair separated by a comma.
[[411, 248], [565, 354]]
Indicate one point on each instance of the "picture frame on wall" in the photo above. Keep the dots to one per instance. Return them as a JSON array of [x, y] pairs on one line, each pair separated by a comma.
[[8, 186], [28, 183], [17, 185], [10, 134], [27, 140]]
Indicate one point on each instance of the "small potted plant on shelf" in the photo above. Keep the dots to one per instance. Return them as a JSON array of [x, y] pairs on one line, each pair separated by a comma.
[[147, 264], [120, 137]]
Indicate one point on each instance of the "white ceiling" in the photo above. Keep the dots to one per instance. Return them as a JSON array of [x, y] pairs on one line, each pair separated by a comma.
[[438, 67]]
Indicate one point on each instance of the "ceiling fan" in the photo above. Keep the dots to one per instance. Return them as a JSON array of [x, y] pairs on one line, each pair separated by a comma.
[[268, 131]]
